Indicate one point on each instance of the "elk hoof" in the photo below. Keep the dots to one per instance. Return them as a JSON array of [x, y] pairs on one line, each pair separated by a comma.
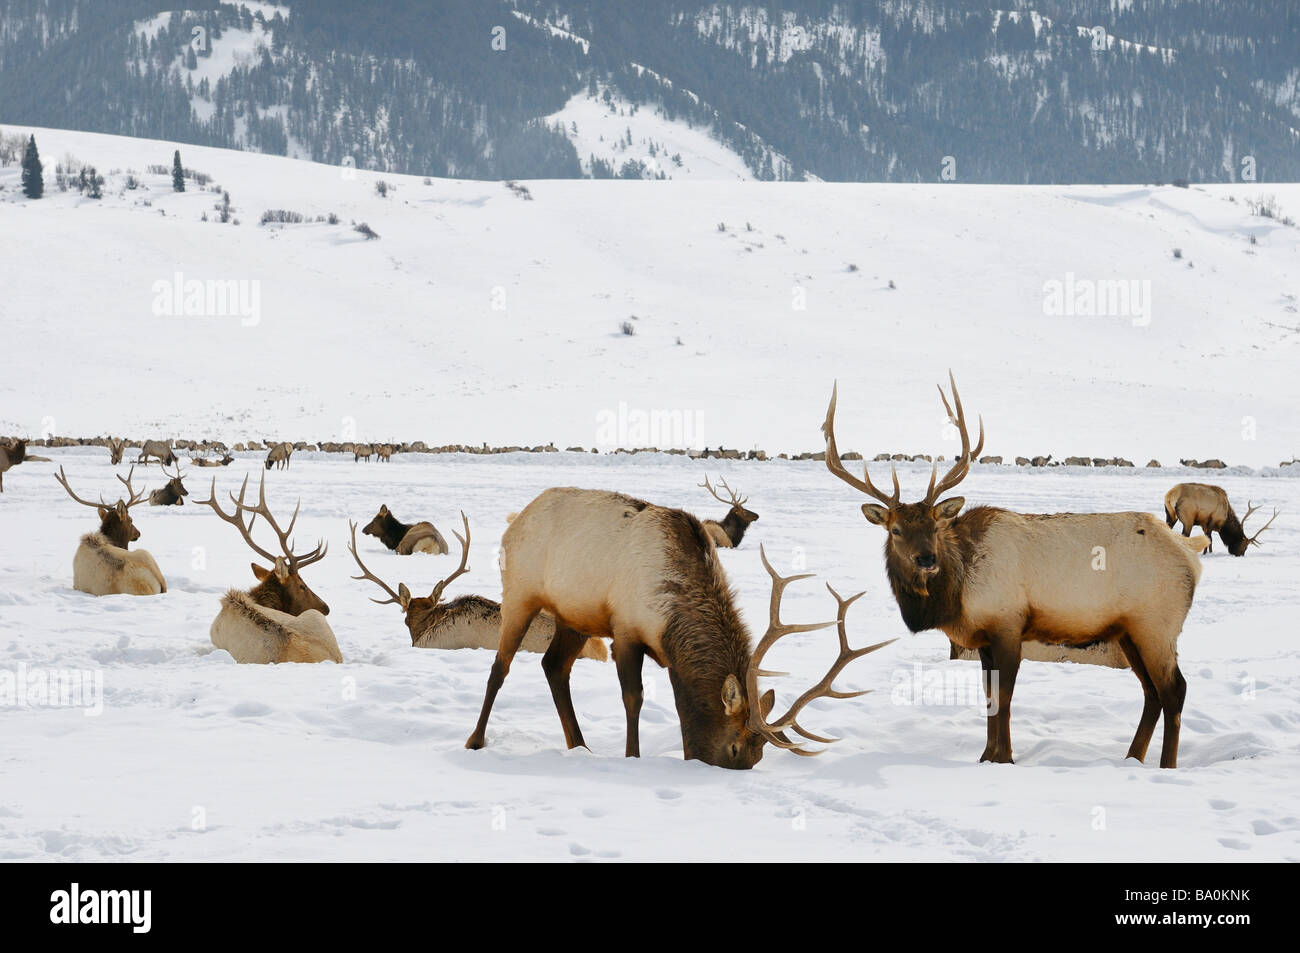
[[475, 742]]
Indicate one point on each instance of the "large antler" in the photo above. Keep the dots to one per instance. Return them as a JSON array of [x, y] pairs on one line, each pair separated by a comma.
[[962, 466], [773, 731], [132, 497], [367, 574], [464, 560], [836, 467], [735, 498], [1254, 540], [295, 561]]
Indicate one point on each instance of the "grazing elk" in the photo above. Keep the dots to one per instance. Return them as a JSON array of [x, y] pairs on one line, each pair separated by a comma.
[[173, 494], [1206, 505], [12, 453], [103, 565], [159, 449], [406, 538], [991, 580], [728, 533], [279, 456], [467, 622], [362, 451], [116, 449], [605, 564], [280, 619]]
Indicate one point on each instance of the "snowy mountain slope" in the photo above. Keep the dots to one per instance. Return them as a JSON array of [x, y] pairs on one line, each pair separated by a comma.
[[481, 316], [195, 758]]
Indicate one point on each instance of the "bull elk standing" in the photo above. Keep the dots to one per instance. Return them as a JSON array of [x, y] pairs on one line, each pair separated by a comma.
[[159, 449], [279, 456], [173, 494], [12, 453], [406, 538], [991, 579], [467, 622], [103, 565], [604, 564], [1207, 506], [728, 533], [280, 619]]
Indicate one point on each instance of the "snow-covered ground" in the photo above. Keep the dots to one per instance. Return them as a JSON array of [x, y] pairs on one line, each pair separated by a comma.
[[194, 757], [480, 316]]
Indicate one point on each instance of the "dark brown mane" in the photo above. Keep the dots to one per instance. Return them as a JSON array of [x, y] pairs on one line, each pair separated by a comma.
[[388, 528], [942, 603]]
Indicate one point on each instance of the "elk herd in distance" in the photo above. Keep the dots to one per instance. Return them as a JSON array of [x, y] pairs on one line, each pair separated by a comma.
[[595, 573]]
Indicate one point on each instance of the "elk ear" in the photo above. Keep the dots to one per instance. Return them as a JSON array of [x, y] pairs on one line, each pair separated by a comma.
[[766, 702], [383, 509], [949, 508], [403, 593], [875, 514], [733, 699], [103, 513], [281, 569], [259, 572]]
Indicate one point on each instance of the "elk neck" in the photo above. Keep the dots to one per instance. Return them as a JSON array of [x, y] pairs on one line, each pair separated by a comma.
[[391, 530], [939, 603], [734, 526]]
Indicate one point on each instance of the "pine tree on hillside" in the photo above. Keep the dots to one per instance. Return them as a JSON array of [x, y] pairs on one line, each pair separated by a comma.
[[33, 180], [178, 173]]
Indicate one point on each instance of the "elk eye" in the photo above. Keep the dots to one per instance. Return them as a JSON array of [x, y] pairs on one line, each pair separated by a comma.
[[895, 531]]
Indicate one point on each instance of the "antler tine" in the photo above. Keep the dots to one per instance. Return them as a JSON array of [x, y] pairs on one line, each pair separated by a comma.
[[962, 466], [62, 479], [234, 518], [284, 536], [1254, 540], [132, 497], [837, 468], [464, 560], [735, 497], [367, 574], [712, 492]]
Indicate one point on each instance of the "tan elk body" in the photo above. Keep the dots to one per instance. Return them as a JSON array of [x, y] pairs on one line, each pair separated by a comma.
[[1206, 505], [608, 565], [991, 580], [102, 564], [280, 619]]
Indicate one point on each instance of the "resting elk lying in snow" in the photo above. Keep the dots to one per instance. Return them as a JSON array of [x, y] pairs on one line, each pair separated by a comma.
[[11, 454], [467, 622], [280, 619], [605, 564], [991, 580], [728, 533], [406, 538], [225, 461], [103, 566], [173, 494], [279, 456], [1207, 506]]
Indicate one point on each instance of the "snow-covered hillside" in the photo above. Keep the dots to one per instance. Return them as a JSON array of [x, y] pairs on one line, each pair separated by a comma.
[[480, 315]]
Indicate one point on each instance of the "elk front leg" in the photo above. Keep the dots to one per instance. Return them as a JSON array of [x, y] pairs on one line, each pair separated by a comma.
[[628, 658], [1001, 663], [513, 626], [557, 663], [1150, 705]]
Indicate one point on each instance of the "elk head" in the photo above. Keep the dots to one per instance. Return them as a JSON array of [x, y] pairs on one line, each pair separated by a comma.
[[423, 612], [382, 522], [1238, 548], [921, 546], [114, 518], [280, 587], [733, 500], [175, 489]]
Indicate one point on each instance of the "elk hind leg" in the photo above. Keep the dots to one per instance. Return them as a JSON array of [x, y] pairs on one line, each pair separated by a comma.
[[514, 623], [1150, 706], [1160, 659], [557, 663]]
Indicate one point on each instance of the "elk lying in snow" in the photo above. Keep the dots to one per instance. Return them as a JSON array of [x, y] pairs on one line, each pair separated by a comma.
[[279, 456], [173, 494], [608, 565], [1207, 506], [467, 622], [728, 533], [225, 461], [159, 449], [103, 565], [116, 448], [406, 538], [991, 580], [280, 619], [11, 454]]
